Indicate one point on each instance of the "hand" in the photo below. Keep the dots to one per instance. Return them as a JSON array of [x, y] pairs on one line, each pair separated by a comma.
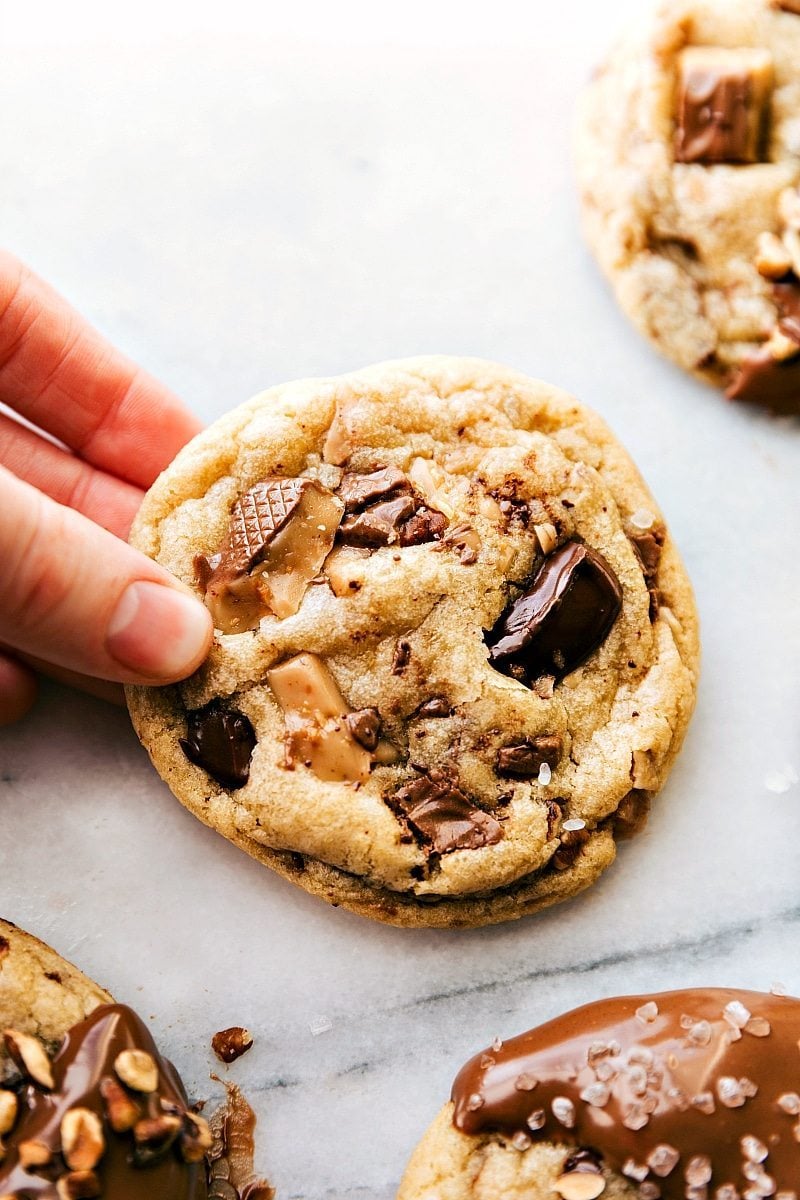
[[77, 602]]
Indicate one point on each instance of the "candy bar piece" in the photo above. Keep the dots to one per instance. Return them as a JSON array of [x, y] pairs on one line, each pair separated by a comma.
[[281, 531], [318, 734], [722, 104], [357, 491], [221, 741], [567, 613], [442, 817], [768, 382], [525, 758]]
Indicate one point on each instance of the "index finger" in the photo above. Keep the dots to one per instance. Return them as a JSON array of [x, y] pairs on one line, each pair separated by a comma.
[[58, 372]]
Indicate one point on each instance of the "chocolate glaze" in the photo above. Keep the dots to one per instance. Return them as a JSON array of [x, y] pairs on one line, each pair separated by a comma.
[[86, 1056], [568, 611], [670, 1051], [772, 383]]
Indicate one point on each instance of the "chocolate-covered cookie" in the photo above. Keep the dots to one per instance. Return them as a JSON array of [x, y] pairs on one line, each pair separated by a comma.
[[688, 1095], [89, 1107], [455, 649], [688, 156]]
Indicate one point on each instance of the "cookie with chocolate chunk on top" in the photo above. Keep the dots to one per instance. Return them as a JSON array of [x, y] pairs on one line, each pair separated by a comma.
[[455, 650], [89, 1107], [681, 1095], [688, 157]]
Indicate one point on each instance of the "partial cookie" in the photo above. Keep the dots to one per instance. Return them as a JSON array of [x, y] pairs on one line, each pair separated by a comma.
[[455, 647], [89, 1108], [686, 1095], [688, 160]]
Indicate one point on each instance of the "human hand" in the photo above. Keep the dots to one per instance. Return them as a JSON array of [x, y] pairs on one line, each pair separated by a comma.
[[76, 602]]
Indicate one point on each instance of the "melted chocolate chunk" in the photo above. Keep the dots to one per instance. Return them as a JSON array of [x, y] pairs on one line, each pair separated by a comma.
[[708, 1074], [378, 525], [426, 525], [442, 817], [365, 727], [567, 613], [437, 706], [787, 297], [769, 382], [720, 115], [221, 741], [85, 1060], [523, 759], [357, 491]]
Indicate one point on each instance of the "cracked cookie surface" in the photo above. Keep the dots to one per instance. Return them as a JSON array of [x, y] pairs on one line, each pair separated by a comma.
[[486, 656], [688, 162]]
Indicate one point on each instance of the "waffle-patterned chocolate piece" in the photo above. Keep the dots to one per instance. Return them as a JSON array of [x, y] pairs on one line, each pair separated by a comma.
[[255, 519]]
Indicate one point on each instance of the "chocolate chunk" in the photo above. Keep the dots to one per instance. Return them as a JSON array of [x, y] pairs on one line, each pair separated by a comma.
[[437, 706], [631, 815], [567, 613], [722, 97], [426, 525], [255, 519], [379, 525], [769, 382], [648, 545], [787, 297], [442, 817], [230, 1044], [402, 657], [357, 491], [523, 759], [365, 727], [572, 842], [221, 741]]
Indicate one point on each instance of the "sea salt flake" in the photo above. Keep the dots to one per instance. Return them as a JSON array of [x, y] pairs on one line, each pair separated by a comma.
[[647, 1013], [749, 1089], [564, 1111], [635, 1117], [605, 1071], [699, 1034], [497, 1045], [663, 1160], [596, 1094], [704, 1102], [729, 1092], [678, 1099], [758, 1027], [698, 1170], [789, 1103], [637, 1080], [649, 1191], [320, 1025], [642, 519], [537, 1119], [573, 824], [525, 1082], [487, 1061], [753, 1150], [633, 1170], [642, 1055], [736, 1014], [780, 781], [765, 1183], [779, 989], [545, 774], [727, 1192], [520, 1141]]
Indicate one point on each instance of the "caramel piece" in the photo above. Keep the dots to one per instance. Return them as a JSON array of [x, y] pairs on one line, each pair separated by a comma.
[[281, 533], [722, 104], [317, 732]]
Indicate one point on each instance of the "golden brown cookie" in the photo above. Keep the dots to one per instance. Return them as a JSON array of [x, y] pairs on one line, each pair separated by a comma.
[[687, 1095], [455, 652], [688, 159]]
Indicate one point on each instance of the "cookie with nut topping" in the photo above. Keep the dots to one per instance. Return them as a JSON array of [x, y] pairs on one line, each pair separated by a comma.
[[455, 650], [88, 1106], [688, 160], [682, 1095]]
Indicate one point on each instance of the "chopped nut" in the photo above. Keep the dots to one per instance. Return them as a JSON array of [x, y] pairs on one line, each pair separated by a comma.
[[773, 260], [547, 536], [428, 478], [344, 568], [9, 1107], [122, 1112], [230, 1044], [196, 1138], [579, 1185], [137, 1069], [32, 1153], [30, 1056], [317, 734], [82, 1141], [154, 1136], [78, 1185]]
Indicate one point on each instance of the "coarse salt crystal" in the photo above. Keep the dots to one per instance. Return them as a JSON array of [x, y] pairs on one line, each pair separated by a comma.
[[663, 1160], [520, 1141], [564, 1111], [596, 1094], [736, 1014], [779, 989], [537, 1119], [646, 1013], [642, 519], [320, 1025], [525, 1082], [475, 1101], [789, 1103], [753, 1150], [704, 1103], [574, 824], [698, 1170], [729, 1092], [633, 1170], [635, 1117], [758, 1027], [699, 1034], [545, 773]]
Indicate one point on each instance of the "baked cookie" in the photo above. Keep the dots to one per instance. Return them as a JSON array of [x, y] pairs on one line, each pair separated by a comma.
[[88, 1107], [455, 647], [688, 1095], [688, 161]]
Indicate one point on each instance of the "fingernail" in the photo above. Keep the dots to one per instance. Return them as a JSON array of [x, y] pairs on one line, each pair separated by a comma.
[[158, 632]]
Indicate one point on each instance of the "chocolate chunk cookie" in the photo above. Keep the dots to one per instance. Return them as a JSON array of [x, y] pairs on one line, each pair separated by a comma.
[[679, 1095], [455, 648], [88, 1107], [688, 156]]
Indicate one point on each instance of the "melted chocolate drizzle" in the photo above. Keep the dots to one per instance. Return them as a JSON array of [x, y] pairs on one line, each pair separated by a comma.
[[678, 1070]]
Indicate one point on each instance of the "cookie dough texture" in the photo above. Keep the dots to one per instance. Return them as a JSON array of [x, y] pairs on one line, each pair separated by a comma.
[[679, 240], [490, 433], [450, 1165], [40, 992]]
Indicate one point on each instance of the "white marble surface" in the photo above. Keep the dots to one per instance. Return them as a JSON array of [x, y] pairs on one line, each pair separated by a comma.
[[322, 188]]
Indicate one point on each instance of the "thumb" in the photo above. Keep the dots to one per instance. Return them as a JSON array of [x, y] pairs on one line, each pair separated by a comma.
[[76, 596]]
